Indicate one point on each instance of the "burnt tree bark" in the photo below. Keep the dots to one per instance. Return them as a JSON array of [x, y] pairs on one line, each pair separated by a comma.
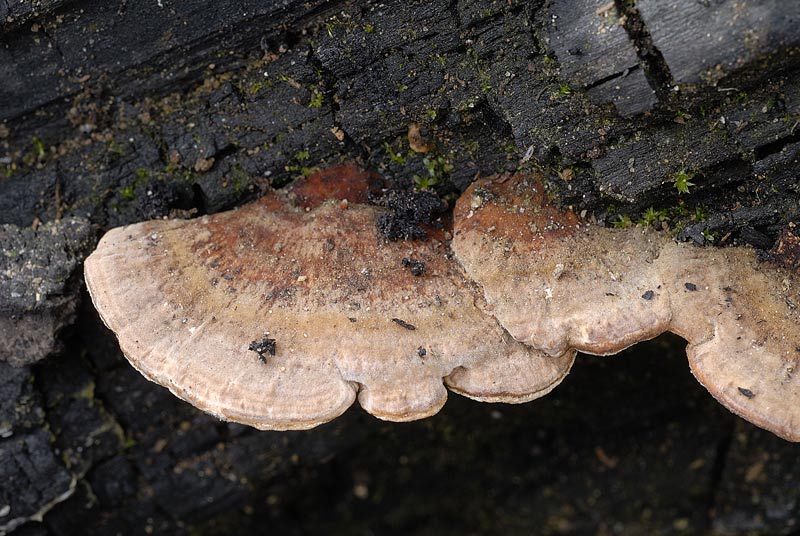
[[680, 114]]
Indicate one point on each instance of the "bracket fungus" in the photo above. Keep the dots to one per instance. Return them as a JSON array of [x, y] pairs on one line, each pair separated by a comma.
[[338, 314], [555, 283]]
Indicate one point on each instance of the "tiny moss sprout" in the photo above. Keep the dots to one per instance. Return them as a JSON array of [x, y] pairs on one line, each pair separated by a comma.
[[623, 222], [317, 99], [682, 180], [437, 169]]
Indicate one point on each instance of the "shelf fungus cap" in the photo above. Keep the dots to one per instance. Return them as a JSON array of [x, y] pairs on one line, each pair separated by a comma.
[[555, 283], [201, 306], [742, 322]]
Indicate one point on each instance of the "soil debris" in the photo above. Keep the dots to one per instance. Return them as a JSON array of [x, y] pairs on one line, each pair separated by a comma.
[[417, 268], [404, 324], [409, 213], [264, 346]]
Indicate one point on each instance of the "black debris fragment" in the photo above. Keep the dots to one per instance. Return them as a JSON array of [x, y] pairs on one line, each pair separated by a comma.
[[404, 324], [408, 212], [264, 346], [765, 256], [746, 392], [691, 287], [648, 295], [417, 267], [421, 351]]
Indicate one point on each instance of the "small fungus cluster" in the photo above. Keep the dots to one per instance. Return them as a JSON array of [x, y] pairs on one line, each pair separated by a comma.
[[496, 313]]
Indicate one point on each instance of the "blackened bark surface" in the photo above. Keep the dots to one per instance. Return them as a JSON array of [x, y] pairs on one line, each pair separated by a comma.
[[114, 112], [39, 284]]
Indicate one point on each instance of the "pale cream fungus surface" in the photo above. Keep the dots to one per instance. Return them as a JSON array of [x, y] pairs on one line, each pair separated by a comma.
[[188, 298], [496, 315], [555, 282]]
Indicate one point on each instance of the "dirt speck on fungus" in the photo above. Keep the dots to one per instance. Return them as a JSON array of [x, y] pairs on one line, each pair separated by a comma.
[[264, 346], [746, 392], [417, 268], [404, 324]]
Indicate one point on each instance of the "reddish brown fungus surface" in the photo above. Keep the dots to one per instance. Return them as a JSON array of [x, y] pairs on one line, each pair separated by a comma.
[[188, 299], [328, 184]]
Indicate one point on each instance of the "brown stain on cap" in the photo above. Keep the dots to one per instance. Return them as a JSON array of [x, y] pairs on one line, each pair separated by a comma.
[[344, 181], [512, 207]]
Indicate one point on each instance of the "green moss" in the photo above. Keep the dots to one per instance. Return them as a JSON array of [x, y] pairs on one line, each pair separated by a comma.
[[409, 34], [335, 23], [115, 148], [467, 105], [682, 180], [305, 171], [682, 117], [437, 168], [485, 85], [562, 92], [255, 87], [298, 166], [509, 148], [239, 179], [395, 157], [128, 192], [771, 104], [700, 213], [38, 147], [709, 236], [623, 222], [651, 216], [317, 99], [141, 177], [740, 98], [676, 217], [87, 392], [679, 210]]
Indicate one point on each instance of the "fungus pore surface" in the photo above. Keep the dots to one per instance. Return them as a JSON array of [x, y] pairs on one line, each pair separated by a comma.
[[555, 283], [190, 300]]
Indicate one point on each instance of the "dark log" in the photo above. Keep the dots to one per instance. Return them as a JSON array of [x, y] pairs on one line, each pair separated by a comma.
[[115, 112]]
